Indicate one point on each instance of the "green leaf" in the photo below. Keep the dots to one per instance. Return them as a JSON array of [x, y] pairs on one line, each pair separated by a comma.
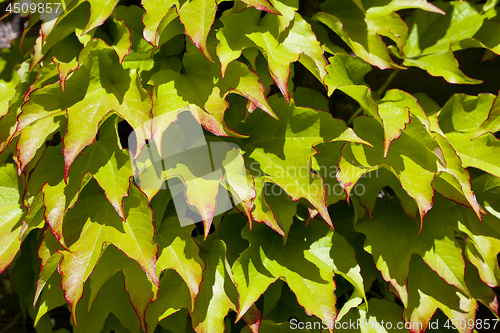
[[392, 247], [11, 213], [157, 11], [8, 81], [436, 33], [443, 64], [204, 91], [369, 186], [99, 12], [394, 110], [412, 159], [483, 237], [456, 176], [108, 164], [95, 222], [235, 36], [173, 295], [281, 151], [273, 207], [50, 260], [487, 37], [34, 136], [97, 88], [465, 114], [300, 39], [428, 292], [178, 251], [58, 25], [215, 297], [481, 153], [263, 5], [309, 274], [346, 74], [197, 16], [362, 30], [112, 299], [492, 123], [324, 163], [287, 9], [140, 289], [372, 315]]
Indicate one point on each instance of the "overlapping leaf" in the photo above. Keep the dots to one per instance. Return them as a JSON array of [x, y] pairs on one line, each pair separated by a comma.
[[204, 91], [362, 30], [412, 159], [459, 120], [280, 151], [97, 88], [280, 51], [109, 165], [436, 244], [95, 223], [11, 213], [346, 74], [431, 38]]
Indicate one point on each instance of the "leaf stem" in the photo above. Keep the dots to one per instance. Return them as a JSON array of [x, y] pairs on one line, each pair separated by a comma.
[[387, 82], [379, 92]]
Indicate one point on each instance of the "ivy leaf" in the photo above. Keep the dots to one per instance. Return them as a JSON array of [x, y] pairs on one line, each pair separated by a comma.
[[108, 164], [486, 37], [281, 151], [371, 315], [456, 176], [235, 36], [424, 286], [100, 224], [275, 210], [435, 33], [492, 123], [415, 167], [34, 136], [197, 16], [99, 12], [11, 213], [178, 251], [394, 110], [441, 64], [287, 9], [50, 260], [140, 289], [97, 87], [156, 12], [300, 39], [54, 29], [463, 113], [325, 164], [362, 30], [481, 153], [112, 299], [263, 5], [346, 74], [483, 244], [204, 92], [309, 276], [214, 299], [436, 244], [173, 295]]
